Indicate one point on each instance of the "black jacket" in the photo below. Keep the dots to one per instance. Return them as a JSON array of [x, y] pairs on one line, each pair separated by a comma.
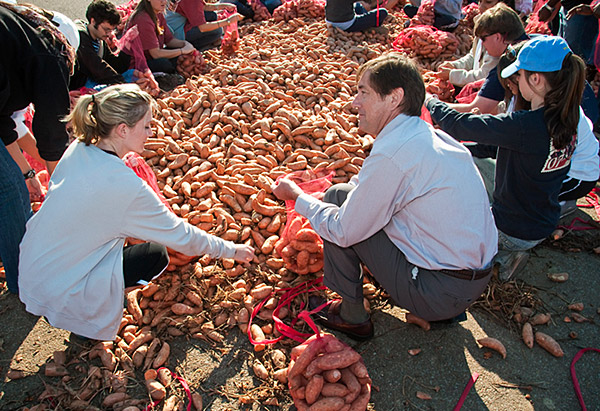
[[91, 64], [33, 70]]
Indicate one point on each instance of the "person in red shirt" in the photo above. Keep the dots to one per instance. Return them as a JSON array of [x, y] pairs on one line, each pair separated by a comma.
[[197, 21], [160, 47]]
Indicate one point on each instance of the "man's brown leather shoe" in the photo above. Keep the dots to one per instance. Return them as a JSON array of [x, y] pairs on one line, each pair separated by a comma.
[[329, 317]]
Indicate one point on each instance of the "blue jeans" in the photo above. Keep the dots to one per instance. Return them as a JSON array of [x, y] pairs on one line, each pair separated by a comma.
[[202, 40], [15, 210], [271, 5], [580, 32], [366, 19]]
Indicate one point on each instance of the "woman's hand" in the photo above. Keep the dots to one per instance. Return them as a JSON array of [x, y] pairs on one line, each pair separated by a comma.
[[187, 48], [228, 6], [234, 18], [36, 192], [286, 189], [443, 73], [446, 65], [243, 253], [583, 9]]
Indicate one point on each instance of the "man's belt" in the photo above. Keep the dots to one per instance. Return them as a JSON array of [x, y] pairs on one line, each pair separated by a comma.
[[470, 275]]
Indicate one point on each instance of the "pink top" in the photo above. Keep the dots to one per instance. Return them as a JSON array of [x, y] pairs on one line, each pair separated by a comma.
[[147, 29], [193, 11]]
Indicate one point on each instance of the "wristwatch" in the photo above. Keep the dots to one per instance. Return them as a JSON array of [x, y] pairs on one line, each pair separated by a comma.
[[29, 174]]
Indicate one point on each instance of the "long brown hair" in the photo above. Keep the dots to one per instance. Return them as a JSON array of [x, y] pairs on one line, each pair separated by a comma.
[[145, 6], [561, 103]]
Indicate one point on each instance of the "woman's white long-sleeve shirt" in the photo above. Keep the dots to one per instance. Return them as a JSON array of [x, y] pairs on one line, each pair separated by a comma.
[[71, 260]]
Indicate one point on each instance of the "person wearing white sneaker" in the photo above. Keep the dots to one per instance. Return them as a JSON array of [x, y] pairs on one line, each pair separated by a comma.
[[535, 147]]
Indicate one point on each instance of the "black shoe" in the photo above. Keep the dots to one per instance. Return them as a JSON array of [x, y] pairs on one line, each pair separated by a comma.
[[458, 319], [329, 317]]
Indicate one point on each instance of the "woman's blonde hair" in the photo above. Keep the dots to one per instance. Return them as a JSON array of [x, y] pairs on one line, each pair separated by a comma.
[[95, 115]]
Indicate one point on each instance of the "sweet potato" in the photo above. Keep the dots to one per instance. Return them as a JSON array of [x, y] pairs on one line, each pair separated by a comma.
[[354, 387], [257, 335], [540, 319], [313, 389], [281, 375], [332, 376], [133, 306], [413, 319], [197, 401], [549, 344], [558, 277], [162, 355], [184, 309], [164, 376], [576, 307], [328, 404], [115, 397], [527, 333], [156, 390], [494, 344], [307, 356], [337, 360], [360, 403], [170, 403], [259, 370], [334, 390]]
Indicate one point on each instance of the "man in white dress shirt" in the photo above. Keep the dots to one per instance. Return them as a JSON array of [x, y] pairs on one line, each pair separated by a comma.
[[417, 215]]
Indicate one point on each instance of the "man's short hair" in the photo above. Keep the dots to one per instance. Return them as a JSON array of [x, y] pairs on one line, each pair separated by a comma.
[[101, 11], [500, 19], [394, 70]]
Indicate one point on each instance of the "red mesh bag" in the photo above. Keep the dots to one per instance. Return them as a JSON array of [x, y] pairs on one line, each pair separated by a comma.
[[260, 11], [469, 92], [324, 370], [231, 37], [300, 246]]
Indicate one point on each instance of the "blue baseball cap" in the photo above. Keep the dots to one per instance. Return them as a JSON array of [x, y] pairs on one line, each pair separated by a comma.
[[542, 54]]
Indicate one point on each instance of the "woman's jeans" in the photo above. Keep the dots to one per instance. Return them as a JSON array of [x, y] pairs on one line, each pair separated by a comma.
[[580, 32], [15, 210], [202, 40]]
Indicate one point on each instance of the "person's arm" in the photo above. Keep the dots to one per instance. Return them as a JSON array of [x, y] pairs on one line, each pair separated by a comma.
[[461, 77], [28, 144], [219, 6], [50, 85], [175, 48], [583, 9], [360, 216], [547, 10], [33, 184], [148, 219], [505, 130], [483, 104], [214, 25]]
